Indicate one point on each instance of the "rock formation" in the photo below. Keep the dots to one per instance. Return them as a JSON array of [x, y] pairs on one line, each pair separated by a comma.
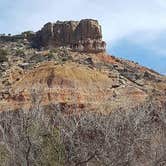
[[82, 36]]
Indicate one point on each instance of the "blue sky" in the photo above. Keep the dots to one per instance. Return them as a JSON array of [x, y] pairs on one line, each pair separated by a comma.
[[133, 29]]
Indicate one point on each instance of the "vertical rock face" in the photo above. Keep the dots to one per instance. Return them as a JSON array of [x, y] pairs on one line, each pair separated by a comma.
[[88, 29], [82, 36]]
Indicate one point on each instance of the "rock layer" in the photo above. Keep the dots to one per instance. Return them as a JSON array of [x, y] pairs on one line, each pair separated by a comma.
[[76, 81], [82, 36]]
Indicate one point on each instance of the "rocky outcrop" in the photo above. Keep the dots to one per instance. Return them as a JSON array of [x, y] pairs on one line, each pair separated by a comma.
[[82, 36]]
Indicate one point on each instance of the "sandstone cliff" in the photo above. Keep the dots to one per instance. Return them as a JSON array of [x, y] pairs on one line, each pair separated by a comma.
[[82, 36]]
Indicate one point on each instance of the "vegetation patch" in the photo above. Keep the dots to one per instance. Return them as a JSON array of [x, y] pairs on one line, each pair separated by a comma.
[[3, 55]]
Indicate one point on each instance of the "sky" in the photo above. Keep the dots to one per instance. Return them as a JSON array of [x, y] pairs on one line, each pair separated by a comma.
[[133, 29]]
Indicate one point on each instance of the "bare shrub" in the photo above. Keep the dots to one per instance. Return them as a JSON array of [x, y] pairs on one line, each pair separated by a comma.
[[133, 137]]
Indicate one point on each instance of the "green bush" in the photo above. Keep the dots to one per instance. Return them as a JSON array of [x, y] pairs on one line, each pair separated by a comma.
[[3, 55], [27, 33], [19, 52], [53, 150], [4, 155]]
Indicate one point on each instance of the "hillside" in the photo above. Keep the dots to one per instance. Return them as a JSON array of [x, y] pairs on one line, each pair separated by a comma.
[[94, 80]]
